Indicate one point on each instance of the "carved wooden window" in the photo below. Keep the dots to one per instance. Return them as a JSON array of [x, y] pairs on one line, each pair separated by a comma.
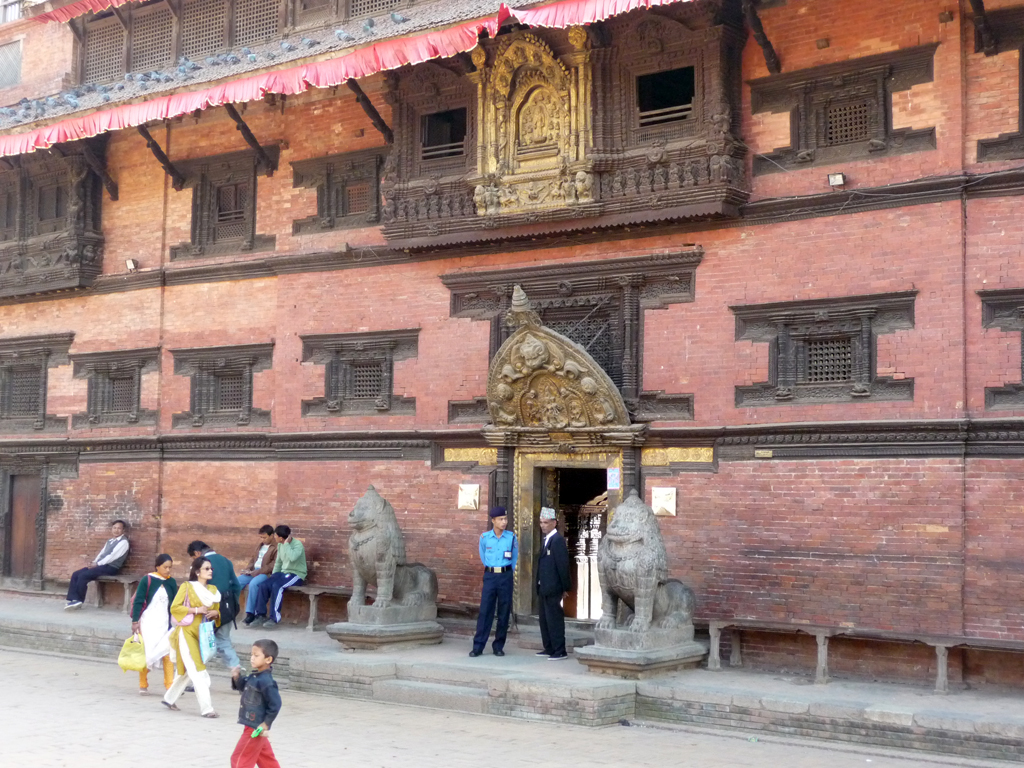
[[104, 51], [224, 204], [51, 208], [24, 364], [598, 305], [203, 27], [221, 392], [1006, 25], [152, 39], [824, 350], [11, 10], [256, 20], [1004, 309], [843, 111], [443, 134], [347, 190], [665, 97], [359, 372], [115, 387], [8, 214]]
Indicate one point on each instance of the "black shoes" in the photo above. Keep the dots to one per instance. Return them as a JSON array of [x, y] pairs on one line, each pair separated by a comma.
[[558, 657], [542, 653], [474, 653], [499, 653]]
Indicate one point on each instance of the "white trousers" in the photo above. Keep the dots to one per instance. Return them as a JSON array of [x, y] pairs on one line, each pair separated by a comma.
[[200, 681]]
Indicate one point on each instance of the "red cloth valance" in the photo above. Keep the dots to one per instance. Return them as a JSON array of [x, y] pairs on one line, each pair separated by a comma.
[[80, 8], [378, 57]]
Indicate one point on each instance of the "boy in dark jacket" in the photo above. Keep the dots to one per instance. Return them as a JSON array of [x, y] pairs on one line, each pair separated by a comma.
[[261, 703]]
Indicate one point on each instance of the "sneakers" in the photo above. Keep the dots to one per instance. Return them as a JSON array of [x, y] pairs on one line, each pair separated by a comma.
[[249, 619], [558, 657], [270, 624], [255, 621], [473, 654], [542, 653], [73, 605], [499, 652]]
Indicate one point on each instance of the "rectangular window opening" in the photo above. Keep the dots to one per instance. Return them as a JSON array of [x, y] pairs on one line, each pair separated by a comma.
[[665, 97], [367, 379], [10, 55], [829, 360], [122, 394], [53, 203], [443, 134], [847, 123], [230, 392], [22, 396]]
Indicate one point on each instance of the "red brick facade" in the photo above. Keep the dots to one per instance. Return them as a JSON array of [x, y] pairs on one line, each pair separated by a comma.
[[909, 533]]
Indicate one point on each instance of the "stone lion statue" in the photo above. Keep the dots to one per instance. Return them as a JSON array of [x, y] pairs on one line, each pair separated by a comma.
[[633, 569], [376, 550]]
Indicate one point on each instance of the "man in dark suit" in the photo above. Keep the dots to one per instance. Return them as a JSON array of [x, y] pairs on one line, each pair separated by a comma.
[[553, 582]]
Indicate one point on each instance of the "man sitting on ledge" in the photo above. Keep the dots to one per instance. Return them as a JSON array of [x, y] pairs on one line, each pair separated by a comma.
[[289, 571], [107, 563]]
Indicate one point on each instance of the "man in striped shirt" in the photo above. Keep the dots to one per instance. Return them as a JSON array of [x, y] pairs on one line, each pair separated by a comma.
[[106, 563]]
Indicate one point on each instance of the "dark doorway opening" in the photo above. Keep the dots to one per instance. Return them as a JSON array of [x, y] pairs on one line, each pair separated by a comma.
[[22, 538], [580, 497]]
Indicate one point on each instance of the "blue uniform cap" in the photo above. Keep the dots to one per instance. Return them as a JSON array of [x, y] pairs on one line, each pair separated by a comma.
[[498, 512]]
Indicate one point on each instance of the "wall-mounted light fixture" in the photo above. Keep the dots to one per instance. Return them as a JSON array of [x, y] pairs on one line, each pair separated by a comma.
[[132, 265], [836, 180]]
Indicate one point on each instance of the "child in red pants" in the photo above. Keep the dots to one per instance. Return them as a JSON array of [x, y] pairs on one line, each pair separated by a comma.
[[261, 702]]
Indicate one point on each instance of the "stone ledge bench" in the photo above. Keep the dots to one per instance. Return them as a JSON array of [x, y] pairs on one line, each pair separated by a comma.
[[92, 594], [822, 633], [314, 592]]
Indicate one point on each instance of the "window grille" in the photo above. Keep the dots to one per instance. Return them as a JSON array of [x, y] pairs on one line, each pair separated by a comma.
[[230, 392], [367, 378], [847, 123], [152, 39], [122, 394], [203, 27], [829, 360], [352, 198], [52, 209], [312, 11], [360, 8], [232, 205], [11, 10], [256, 20], [594, 335], [22, 395], [104, 52], [10, 61]]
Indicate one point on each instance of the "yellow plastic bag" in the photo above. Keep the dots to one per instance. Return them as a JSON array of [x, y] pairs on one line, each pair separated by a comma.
[[133, 655]]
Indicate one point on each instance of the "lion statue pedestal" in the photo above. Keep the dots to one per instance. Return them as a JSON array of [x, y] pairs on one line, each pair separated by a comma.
[[404, 611], [646, 626]]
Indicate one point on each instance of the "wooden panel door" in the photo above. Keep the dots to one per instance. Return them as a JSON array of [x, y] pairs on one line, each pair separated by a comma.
[[25, 490]]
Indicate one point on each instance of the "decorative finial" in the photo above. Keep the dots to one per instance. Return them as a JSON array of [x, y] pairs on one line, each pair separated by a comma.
[[521, 312]]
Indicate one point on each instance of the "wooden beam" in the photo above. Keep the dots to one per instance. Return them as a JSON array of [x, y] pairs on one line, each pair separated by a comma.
[[121, 17], [100, 169], [771, 58], [371, 111], [250, 139], [176, 178], [988, 38]]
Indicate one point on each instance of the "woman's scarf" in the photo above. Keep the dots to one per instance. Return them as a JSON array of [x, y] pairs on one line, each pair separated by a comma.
[[206, 597]]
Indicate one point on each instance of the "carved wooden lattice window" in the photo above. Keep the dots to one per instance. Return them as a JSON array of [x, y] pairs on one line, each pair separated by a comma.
[[152, 39], [221, 392], [347, 190], [8, 215], [360, 8], [51, 208], [203, 27], [10, 62], [224, 204], [824, 350], [256, 20], [1006, 33], [443, 134], [23, 380], [843, 111], [104, 51], [115, 387], [309, 12], [359, 372]]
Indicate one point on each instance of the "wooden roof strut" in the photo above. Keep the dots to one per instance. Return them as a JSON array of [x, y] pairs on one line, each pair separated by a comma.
[[988, 38], [176, 177], [371, 111], [771, 58], [100, 169], [250, 139]]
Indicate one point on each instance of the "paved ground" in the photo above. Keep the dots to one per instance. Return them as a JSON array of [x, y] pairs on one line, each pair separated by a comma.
[[61, 711]]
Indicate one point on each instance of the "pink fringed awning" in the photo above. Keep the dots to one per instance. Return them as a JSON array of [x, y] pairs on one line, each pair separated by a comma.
[[82, 7], [378, 57]]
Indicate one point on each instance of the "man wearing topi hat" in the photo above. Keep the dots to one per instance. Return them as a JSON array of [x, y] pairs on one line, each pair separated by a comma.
[[553, 581], [499, 552]]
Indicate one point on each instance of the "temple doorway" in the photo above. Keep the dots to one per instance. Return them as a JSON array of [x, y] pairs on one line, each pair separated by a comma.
[[580, 497]]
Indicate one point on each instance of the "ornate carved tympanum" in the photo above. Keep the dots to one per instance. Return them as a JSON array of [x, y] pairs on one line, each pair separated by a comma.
[[631, 120], [541, 379]]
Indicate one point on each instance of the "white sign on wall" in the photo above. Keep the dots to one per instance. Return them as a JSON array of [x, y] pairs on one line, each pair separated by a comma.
[[469, 496], [663, 501]]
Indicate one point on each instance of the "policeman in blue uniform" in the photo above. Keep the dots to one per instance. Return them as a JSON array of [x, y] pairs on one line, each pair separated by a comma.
[[499, 551]]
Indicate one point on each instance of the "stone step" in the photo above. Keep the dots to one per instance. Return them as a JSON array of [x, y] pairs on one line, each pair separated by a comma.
[[453, 675], [529, 638], [435, 695]]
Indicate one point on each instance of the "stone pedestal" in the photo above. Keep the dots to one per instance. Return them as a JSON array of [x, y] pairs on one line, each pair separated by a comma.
[[371, 629], [640, 655]]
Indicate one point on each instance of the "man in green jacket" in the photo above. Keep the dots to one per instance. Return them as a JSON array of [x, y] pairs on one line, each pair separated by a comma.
[[289, 571], [226, 582]]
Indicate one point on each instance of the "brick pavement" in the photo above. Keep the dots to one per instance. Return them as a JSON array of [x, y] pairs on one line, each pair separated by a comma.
[[85, 713]]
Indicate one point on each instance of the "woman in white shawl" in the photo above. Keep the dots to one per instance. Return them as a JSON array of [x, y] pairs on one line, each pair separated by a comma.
[[151, 618], [197, 601]]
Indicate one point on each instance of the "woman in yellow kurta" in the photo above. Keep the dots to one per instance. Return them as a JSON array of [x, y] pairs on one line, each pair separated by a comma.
[[197, 601]]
